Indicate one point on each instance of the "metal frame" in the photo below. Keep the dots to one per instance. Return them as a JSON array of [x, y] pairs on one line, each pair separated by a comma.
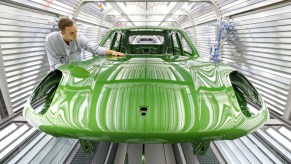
[[287, 111], [115, 6], [82, 3], [274, 122], [217, 10], [193, 23], [102, 20], [173, 10], [119, 9], [217, 153], [73, 153], [148, 21], [80, 6], [4, 85], [176, 21], [3, 111]]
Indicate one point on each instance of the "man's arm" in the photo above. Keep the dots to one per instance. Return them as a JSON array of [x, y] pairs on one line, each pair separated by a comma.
[[96, 49], [52, 55]]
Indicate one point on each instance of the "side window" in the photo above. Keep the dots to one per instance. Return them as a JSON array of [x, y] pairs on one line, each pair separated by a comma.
[[169, 44], [108, 41], [117, 41], [176, 47], [185, 46], [175, 41]]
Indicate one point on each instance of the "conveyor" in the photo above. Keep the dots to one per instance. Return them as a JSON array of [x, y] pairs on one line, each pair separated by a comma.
[[21, 143]]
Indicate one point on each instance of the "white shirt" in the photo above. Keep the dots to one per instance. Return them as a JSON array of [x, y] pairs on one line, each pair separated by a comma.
[[60, 53]]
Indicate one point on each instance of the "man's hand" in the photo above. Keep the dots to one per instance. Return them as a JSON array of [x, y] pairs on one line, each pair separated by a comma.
[[115, 53]]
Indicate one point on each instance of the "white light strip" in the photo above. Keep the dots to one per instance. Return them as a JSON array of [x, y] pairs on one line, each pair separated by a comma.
[[17, 142], [226, 152], [278, 146], [266, 150], [13, 136], [285, 132], [281, 139], [26, 149], [7, 130]]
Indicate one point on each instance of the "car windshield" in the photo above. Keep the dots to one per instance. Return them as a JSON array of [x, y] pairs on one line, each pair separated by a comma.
[[146, 39], [149, 41]]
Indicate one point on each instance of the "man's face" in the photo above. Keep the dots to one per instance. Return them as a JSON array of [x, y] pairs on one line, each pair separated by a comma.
[[70, 33]]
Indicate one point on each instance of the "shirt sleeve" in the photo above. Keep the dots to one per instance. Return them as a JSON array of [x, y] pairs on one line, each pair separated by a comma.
[[51, 54], [90, 46]]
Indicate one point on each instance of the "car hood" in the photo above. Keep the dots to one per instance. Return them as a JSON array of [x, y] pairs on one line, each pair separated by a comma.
[[146, 95]]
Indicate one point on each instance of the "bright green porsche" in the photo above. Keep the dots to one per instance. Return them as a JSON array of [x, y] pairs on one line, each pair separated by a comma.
[[160, 92]]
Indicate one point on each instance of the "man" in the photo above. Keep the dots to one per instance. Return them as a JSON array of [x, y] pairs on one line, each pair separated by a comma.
[[66, 45]]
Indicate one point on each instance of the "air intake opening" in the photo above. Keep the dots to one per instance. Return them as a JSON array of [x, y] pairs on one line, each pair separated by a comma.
[[44, 93]]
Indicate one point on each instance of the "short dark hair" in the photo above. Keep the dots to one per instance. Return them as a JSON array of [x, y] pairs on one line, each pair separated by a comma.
[[65, 22]]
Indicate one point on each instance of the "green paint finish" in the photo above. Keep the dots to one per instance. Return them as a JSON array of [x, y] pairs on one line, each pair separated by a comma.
[[150, 99]]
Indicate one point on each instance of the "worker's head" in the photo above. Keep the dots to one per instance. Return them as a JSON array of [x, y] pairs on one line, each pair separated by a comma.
[[68, 28]]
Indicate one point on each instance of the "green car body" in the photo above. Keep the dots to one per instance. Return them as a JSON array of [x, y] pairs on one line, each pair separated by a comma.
[[146, 98]]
